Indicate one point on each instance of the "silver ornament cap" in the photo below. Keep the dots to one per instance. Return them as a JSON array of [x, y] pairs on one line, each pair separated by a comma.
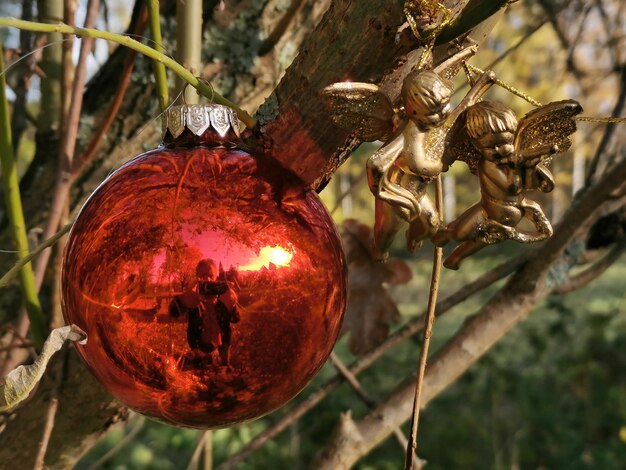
[[199, 118]]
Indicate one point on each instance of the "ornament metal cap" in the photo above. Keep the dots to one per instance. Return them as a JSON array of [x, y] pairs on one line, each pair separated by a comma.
[[198, 118]]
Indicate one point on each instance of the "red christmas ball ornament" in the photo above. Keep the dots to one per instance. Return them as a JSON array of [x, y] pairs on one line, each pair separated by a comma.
[[211, 282]]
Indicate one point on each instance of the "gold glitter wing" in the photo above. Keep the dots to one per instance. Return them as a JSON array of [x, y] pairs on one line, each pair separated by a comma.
[[551, 124], [361, 108], [458, 146]]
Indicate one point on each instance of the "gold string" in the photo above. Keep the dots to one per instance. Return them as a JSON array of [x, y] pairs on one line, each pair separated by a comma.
[[508, 87], [608, 120], [432, 8], [534, 102]]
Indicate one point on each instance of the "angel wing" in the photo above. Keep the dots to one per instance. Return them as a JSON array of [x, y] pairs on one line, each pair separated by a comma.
[[361, 108], [547, 125], [458, 146]]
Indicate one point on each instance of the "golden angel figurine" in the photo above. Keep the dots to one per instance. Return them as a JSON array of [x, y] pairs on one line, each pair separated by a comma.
[[509, 159], [399, 172]]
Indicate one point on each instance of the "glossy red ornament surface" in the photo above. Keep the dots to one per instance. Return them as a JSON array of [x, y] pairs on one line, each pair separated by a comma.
[[210, 282]]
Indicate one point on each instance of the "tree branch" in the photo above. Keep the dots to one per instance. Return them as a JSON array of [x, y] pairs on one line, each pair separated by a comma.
[[293, 125], [594, 271], [506, 309]]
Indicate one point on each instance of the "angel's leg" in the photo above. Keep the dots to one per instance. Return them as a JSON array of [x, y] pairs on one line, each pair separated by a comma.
[[464, 227], [465, 249], [534, 213], [424, 226], [387, 224]]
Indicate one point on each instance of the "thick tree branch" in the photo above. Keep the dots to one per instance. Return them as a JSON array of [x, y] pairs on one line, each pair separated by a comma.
[[294, 125]]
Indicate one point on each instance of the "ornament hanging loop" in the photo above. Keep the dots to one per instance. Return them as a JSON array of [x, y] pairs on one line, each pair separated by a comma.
[[207, 83]]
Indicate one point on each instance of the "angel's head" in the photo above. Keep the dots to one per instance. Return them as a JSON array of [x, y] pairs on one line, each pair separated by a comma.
[[491, 126], [426, 98]]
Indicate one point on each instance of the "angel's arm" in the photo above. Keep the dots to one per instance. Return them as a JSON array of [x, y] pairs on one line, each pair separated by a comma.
[[486, 81], [531, 157], [378, 166], [381, 161]]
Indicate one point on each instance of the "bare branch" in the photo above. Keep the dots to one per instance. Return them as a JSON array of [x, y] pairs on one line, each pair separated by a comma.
[[506, 309], [47, 432], [127, 439], [593, 272], [599, 159]]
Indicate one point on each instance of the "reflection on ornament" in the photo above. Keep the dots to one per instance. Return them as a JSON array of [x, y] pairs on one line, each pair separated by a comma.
[[211, 283], [275, 255]]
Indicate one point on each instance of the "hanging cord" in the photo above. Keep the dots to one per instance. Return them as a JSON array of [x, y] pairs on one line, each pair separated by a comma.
[[510, 88], [534, 102], [432, 8]]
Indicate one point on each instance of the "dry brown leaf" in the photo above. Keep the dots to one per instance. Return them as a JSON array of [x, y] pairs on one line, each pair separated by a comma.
[[15, 387], [370, 311]]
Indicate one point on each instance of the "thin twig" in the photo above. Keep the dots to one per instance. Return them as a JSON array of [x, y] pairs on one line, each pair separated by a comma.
[[16, 215], [127, 439], [131, 43], [551, 11], [19, 266], [349, 377], [24, 345], [159, 69], [19, 116], [429, 321], [585, 277], [51, 413], [195, 457], [208, 450], [47, 432], [88, 155], [345, 194], [68, 68], [487, 279], [609, 132]]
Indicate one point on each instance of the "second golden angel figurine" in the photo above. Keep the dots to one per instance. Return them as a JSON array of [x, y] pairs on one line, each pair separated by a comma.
[[508, 158]]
